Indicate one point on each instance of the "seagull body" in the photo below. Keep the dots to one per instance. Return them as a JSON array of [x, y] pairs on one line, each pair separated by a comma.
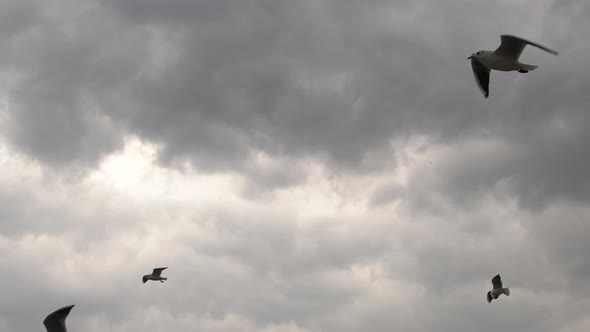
[[56, 321], [498, 62], [155, 275], [504, 58], [498, 289]]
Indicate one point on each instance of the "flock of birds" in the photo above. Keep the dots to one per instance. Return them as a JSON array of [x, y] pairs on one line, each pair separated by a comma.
[[56, 321], [504, 58]]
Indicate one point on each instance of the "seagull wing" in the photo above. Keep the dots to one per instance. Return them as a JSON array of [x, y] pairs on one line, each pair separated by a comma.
[[512, 47], [56, 321], [482, 76], [497, 282], [157, 271]]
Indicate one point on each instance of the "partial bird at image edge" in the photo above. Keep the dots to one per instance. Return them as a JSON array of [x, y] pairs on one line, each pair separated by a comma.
[[56, 321]]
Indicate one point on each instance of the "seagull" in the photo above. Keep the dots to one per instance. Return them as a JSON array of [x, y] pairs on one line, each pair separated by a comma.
[[504, 58], [155, 275], [56, 321], [498, 289]]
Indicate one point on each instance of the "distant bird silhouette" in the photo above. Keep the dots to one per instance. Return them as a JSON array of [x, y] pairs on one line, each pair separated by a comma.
[[155, 275], [56, 321], [497, 289]]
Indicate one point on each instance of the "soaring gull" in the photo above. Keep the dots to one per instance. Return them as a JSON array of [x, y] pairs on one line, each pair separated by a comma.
[[56, 321], [155, 275], [497, 289], [504, 58]]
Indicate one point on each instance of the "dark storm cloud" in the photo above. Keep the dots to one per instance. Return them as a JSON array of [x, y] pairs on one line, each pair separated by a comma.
[[209, 82], [61, 86], [180, 11], [330, 78], [16, 16]]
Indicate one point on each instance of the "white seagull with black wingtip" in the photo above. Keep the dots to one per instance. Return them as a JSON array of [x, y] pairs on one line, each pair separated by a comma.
[[56, 321], [155, 275], [497, 289], [504, 58]]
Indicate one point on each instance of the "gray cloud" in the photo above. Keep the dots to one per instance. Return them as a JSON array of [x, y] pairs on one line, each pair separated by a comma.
[[418, 270], [268, 92], [312, 77], [211, 82]]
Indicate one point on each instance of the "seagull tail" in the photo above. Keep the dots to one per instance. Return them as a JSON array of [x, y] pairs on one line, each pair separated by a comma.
[[526, 67], [506, 291]]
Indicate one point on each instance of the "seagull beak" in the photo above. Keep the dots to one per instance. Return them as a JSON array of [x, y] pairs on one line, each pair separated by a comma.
[[471, 56]]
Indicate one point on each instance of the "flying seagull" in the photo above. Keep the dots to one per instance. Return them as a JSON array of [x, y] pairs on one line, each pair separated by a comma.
[[155, 275], [56, 321], [504, 58], [498, 289]]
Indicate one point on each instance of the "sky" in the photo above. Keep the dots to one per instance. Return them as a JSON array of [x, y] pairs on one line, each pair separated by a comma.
[[299, 166]]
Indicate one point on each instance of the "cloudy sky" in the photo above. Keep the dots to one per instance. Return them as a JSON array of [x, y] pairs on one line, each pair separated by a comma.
[[299, 165]]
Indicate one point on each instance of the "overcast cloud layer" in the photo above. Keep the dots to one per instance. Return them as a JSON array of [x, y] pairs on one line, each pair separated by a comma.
[[309, 165]]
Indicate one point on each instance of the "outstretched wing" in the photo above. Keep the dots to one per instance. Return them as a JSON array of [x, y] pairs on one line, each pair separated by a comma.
[[497, 282], [157, 271], [482, 76], [512, 47], [56, 321]]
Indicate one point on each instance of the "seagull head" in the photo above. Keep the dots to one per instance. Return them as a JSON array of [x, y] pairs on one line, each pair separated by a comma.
[[476, 55], [144, 279]]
